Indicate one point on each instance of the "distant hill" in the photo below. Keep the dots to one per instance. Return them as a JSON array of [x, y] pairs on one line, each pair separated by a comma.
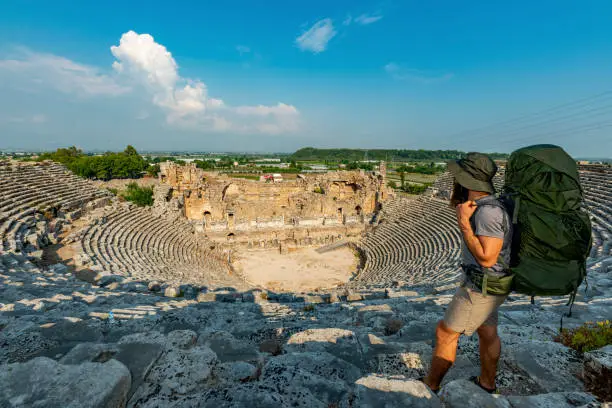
[[311, 153]]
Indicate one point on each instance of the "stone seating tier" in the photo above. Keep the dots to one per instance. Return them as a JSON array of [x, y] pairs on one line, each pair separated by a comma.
[[135, 243], [27, 189]]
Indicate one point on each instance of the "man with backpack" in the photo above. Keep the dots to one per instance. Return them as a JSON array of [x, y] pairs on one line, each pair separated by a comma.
[[534, 240], [486, 229]]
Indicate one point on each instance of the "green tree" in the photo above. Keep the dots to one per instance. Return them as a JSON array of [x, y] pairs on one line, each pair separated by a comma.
[[141, 196], [127, 164], [153, 169], [130, 151]]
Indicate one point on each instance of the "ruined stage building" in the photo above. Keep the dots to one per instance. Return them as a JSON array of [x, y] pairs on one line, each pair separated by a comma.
[[218, 204]]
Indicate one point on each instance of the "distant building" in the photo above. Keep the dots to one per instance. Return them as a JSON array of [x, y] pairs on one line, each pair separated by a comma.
[[270, 160], [271, 178], [319, 167]]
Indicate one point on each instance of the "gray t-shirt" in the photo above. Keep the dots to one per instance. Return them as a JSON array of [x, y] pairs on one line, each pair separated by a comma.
[[491, 221]]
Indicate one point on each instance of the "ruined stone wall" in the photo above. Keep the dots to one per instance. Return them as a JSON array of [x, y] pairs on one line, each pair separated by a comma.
[[220, 203], [287, 238]]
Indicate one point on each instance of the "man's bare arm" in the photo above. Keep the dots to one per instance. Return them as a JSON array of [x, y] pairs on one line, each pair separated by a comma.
[[485, 249]]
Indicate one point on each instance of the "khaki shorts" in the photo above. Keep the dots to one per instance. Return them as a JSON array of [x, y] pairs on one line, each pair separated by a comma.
[[469, 309]]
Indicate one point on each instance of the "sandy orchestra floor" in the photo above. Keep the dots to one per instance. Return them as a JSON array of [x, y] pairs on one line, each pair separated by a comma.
[[301, 270]]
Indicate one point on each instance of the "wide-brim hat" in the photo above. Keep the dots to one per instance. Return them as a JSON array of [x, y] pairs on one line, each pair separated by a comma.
[[474, 172]]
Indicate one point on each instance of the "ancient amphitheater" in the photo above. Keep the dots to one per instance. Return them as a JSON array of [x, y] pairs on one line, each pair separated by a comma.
[[105, 304]]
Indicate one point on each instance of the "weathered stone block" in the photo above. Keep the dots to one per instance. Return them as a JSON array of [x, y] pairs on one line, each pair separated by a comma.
[[44, 382], [58, 268], [281, 297], [237, 371], [89, 352], [464, 393], [354, 297], [229, 297], [375, 295], [35, 254], [177, 372], [227, 347], [184, 339], [340, 343], [65, 331], [189, 292], [172, 291], [135, 287], [314, 299], [551, 365], [553, 400], [597, 372], [206, 297], [139, 358], [108, 279], [393, 326], [154, 286], [89, 275], [272, 346], [376, 391]]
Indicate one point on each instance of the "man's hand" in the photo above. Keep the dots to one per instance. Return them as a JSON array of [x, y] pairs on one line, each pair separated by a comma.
[[464, 213]]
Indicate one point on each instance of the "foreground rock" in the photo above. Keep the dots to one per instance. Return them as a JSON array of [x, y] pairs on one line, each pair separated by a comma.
[[57, 334], [376, 391], [598, 372], [554, 400], [43, 382], [464, 393]]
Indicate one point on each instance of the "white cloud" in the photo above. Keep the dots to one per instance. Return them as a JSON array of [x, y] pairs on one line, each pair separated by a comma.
[[151, 71], [243, 49], [142, 115], [37, 118], [317, 36], [186, 101], [366, 19], [261, 110], [426, 77], [59, 73], [392, 68]]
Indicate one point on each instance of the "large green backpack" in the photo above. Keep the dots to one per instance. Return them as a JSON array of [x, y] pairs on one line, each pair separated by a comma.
[[552, 234]]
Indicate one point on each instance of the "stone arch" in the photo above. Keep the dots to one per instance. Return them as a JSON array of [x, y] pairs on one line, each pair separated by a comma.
[[354, 187], [230, 219], [229, 190], [358, 210], [207, 217]]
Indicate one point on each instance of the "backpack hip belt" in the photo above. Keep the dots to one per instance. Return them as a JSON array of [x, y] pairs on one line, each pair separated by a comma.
[[487, 282]]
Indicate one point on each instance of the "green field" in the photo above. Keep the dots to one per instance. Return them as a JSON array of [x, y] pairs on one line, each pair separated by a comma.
[[412, 177]]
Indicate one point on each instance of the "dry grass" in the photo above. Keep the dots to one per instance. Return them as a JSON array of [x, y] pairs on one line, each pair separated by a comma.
[[589, 336]]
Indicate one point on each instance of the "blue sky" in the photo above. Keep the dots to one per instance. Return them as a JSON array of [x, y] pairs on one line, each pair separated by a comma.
[[277, 75]]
